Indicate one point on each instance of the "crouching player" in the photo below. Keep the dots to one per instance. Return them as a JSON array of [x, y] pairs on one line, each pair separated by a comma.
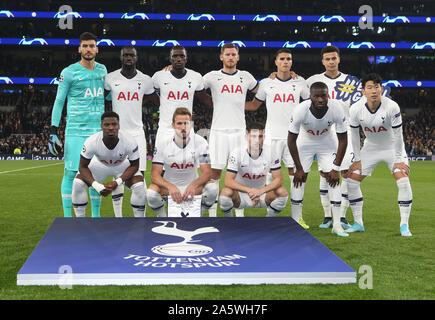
[[179, 158], [381, 121], [309, 135], [245, 179], [109, 153]]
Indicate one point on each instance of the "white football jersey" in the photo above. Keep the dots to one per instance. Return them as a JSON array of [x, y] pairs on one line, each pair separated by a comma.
[[281, 98], [125, 148], [228, 92], [180, 164], [316, 133], [175, 93], [252, 172], [127, 95], [377, 125]]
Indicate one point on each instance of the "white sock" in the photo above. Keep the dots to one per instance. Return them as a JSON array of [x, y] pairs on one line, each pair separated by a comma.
[[276, 206], [209, 196], [404, 199], [344, 197], [356, 200], [335, 199], [324, 197], [297, 197], [212, 211], [138, 199], [227, 205], [155, 201], [79, 197], [117, 196], [239, 212]]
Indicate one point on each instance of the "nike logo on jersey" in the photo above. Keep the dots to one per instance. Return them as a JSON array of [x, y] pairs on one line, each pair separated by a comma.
[[117, 84], [165, 83], [219, 79]]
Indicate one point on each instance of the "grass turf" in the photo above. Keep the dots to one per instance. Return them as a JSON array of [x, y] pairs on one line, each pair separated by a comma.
[[402, 267]]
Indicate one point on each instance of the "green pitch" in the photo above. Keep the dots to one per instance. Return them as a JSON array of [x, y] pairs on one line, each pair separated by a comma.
[[402, 268]]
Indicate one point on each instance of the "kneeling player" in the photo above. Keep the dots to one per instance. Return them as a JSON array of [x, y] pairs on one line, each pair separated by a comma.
[[180, 158], [311, 125], [109, 153], [381, 122], [245, 179]]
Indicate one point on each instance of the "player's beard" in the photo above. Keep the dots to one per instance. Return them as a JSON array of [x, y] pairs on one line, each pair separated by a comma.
[[88, 58]]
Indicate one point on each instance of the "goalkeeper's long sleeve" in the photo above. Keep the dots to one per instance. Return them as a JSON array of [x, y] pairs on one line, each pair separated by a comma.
[[62, 93]]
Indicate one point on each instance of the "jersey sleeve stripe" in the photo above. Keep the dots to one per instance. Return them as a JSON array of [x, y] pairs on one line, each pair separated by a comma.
[[293, 132], [342, 132], [399, 125], [277, 168], [155, 162], [259, 99], [233, 171], [355, 127]]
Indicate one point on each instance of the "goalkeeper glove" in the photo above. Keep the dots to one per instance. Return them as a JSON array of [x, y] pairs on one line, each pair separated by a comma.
[[54, 144]]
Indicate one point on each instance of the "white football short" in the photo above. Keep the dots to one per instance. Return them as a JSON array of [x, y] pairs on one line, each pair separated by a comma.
[[222, 143], [142, 143], [324, 160], [280, 147], [370, 158], [349, 156], [101, 172], [246, 202]]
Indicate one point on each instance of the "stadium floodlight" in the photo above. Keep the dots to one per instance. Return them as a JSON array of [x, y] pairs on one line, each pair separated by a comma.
[[166, 43], [106, 42], [197, 17], [426, 45], [29, 42], [335, 18], [139, 15], [6, 13], [269, 17], [358, 45], [401, 19], [63, 15], [298, 44]]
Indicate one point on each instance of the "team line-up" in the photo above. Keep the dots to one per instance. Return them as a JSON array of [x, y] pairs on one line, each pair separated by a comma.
[[104, 138]]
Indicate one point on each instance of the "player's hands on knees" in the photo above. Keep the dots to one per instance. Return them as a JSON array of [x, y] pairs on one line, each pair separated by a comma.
[[189, 193], [112, 185], [299, 178], [402, 166], [333, 178], [255, 194], [175, 194], [105, 192]]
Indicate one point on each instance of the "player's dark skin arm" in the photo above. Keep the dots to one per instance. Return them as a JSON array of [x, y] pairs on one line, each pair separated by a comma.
[[204, 98], [107, 103], [153, 98], [86, 175], [253, 105], [333, 177], [300, 176]]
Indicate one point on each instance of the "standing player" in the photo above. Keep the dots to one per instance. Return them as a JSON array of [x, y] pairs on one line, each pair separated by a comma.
[[381, 121], [177, 88], [312, 121], [228, 87], [180, 158], [330, 60], [281, 94], [105, 154], [129, 89], [82, 83], [245, 179]]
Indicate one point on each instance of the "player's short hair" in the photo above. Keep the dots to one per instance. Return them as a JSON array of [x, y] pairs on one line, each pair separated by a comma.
[[229, 46], [128, 47], [181, 112], [177, 47], [329, 49], [376, 78], [283, 50], [109, 114], [319, 85], [254, 126], [88, 36]]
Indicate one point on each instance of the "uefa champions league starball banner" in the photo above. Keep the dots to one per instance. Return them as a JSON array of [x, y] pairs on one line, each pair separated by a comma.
[[144, 251]]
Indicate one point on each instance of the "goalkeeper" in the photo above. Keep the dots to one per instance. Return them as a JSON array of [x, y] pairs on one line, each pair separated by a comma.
[[82, 83]]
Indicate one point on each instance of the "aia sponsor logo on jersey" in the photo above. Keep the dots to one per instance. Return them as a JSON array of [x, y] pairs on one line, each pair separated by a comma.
[[111, 161], [317, 132], [232, 88], [182, 166], [94, 93], [177, 95], [253, 177], [128, 96], [284, 98], [375, 130]]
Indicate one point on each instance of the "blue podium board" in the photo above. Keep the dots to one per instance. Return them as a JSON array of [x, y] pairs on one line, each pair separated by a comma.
[[149, 251]]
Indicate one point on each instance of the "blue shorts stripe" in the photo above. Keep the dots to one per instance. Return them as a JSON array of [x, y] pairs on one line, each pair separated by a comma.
[[355, 200]]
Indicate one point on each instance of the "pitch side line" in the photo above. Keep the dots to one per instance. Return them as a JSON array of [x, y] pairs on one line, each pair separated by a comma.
[[48, 165]]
